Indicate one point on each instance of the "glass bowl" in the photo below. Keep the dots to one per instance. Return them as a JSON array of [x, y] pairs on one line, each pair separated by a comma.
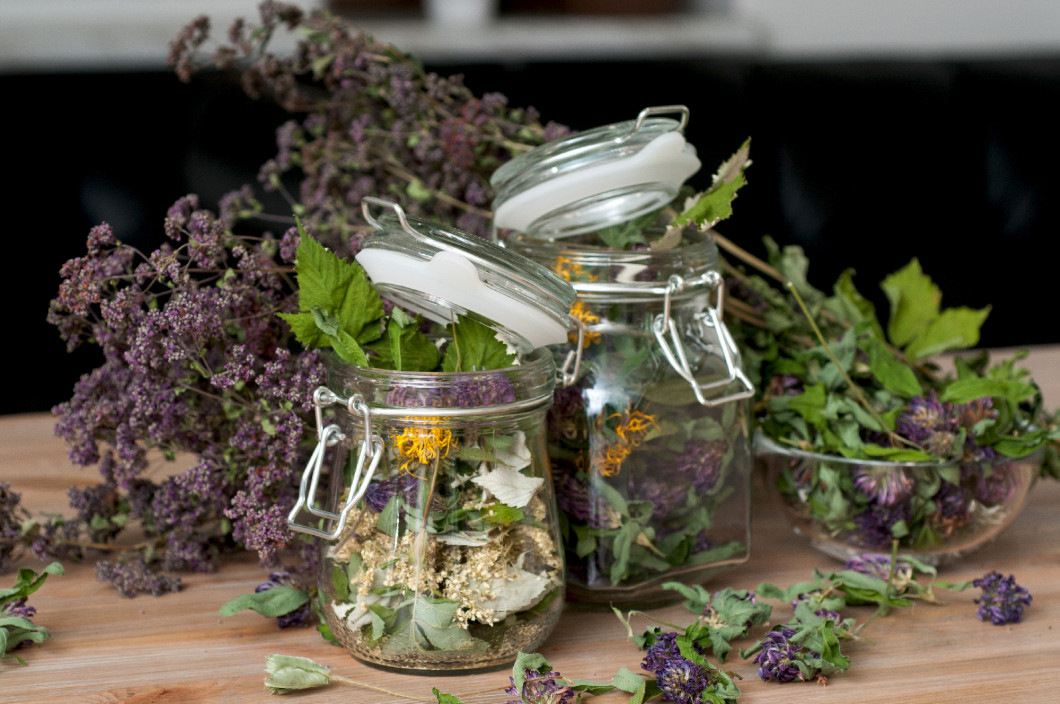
[[938, 512]]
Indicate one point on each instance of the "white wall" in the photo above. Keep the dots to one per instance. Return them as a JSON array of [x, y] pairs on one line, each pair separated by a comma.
[[47, 34], [802, 27]]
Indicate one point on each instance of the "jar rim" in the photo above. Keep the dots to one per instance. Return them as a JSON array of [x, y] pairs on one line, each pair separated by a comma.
[[606, 175], [764, 446], [439, 271]]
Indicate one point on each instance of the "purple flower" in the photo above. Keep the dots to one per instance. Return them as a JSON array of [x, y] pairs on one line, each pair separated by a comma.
[[874, 524], [18, 608], [682, 681], [662, 651], [883, 484], [480, 390], [700, 464], [578, 500], [566, 417], [1002, 600], [992, 483], [378, 494], [871, 564], [131, 577], [540, 688], [951, 508], [930, 423], [778, 660]]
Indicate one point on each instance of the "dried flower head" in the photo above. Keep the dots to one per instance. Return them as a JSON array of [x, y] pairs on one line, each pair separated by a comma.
[[1002, 600], [548, 687]]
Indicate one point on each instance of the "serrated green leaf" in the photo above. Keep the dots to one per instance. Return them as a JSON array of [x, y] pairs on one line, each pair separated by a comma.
[[475, 347], [715, 204], [892, 373], [953, 329], [914, 299], [972, 388], [338, 298]]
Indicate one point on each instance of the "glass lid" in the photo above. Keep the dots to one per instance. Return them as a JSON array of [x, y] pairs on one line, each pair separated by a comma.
[[597, 178], [441, 272]]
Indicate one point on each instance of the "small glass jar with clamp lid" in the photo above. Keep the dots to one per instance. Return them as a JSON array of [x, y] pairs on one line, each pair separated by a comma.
[[442, 551], [649, 446]]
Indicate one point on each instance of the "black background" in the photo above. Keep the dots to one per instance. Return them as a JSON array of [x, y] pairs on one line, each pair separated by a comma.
[[864, 164]]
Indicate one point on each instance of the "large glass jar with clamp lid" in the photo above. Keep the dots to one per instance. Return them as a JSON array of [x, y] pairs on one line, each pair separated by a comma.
[[649, 445], [442, 548]]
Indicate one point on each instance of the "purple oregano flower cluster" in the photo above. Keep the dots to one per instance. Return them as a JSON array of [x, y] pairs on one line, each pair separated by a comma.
[[196, 361]]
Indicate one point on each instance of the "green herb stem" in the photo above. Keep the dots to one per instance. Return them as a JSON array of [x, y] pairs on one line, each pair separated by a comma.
[[855, 389]]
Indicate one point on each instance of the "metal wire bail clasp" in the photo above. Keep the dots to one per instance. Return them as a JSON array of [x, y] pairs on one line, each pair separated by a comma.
[[368, 455], [723, 345], [572, 362]]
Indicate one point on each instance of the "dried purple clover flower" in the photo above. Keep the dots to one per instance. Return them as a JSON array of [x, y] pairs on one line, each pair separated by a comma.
[[875, 523], [700, 464], [682, 681], [1002, 600], [778, 659], [540, 688], [883, 484], [933, 424]]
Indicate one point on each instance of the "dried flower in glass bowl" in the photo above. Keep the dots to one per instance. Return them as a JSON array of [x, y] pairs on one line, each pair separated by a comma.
[[866, 435]]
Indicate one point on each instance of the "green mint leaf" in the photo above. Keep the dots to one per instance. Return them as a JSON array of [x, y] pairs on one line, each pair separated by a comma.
[[408, 348], [28, 582], [914, 299], [337, 293], [891, 372], [341, 341], [953, 329], [970, 388], [444, 698], [850, 306], [535, 662], [277, 601], [289, 673], [475, 347]]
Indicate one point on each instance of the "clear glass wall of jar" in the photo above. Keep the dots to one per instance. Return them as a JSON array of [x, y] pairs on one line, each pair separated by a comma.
[[649, 447], [446, 553]]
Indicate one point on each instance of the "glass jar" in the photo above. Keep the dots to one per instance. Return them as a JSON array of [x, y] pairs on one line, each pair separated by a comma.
[[649, 445], [443, 552], [936, 511]]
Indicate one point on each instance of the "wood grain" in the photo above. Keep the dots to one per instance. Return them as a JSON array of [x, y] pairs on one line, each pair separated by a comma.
[[176, 648]]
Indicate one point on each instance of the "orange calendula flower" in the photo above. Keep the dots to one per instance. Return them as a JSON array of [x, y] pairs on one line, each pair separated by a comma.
[[422, 445], [571, 270], [632, 428], [580, 311]]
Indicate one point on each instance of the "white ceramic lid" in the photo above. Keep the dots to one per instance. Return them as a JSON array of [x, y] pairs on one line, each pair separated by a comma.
[[441, 272]]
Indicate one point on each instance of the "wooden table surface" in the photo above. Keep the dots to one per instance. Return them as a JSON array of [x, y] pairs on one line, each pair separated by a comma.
[[176, 648]]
